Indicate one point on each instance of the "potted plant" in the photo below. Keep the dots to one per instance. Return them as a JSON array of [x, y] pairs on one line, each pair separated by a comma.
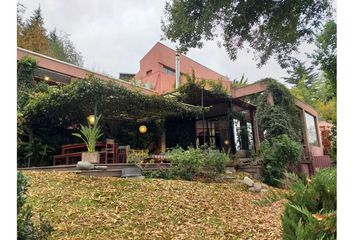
[[90, 134]]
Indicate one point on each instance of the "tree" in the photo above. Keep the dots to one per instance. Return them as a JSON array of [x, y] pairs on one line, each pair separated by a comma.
[[63, 49], [240, 83], [33, 36], [20, 24], [326, 54], [299, 71], [271, 28]]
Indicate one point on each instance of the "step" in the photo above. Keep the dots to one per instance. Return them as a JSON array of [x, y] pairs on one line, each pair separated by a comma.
[[101, 173]]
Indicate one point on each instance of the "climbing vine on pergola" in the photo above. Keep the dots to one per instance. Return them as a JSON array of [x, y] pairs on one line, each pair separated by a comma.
[[71, 104]]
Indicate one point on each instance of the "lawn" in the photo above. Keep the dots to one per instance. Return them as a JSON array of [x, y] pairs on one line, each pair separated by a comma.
[[81, 207]]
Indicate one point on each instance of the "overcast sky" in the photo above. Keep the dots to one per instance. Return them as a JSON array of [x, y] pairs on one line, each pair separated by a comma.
[[113, 35]]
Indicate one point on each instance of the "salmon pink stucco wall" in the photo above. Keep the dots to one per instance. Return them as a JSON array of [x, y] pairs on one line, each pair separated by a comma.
[[152, 69]]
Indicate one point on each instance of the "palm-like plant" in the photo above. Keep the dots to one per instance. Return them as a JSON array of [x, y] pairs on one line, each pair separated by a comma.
[[90, 134], [240, 83]]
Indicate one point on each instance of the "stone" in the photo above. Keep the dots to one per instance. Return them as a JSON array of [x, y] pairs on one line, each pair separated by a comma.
[[131, 172], [265, 186], [83, 165], [249, 182], [101, 167], [257, 187], [230, 170], [264, 190], [252, 189]]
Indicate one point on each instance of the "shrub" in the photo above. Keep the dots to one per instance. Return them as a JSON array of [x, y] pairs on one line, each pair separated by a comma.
[[137, 156], [279, 153], [187, 164], [214, 162], [26, 228], [311, 210], [160, 173]]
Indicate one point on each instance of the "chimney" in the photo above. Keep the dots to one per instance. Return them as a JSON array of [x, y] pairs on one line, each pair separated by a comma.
[[177, 71]]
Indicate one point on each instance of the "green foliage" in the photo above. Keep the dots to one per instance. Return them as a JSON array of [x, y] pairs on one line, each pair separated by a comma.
[[160, 173], [271, 28], [32, 35], [26, 228], [193, 162], [270, 197], [333, 139], [185, 164], [240, 83], [90, 134], [279, 152], [280, 118], [51, 115], [62, 48], [137, 156], [71, 104], [212, 90], [214, 162], [300, 72], [326, 54], [34, 152], [25, 81], [310, 212]]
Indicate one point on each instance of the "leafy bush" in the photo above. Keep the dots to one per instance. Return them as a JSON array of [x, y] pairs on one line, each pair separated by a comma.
[[26, 228], [160, 173], [279, 153], [214, 162], [187, 164], [311, 210], [137, 156]]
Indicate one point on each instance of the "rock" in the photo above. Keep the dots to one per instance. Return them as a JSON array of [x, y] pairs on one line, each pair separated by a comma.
[[249, 182], [265, 186], [82, 165], [131, 172], [230, 170], [252, 189], [264, 190], [101, 167], [257, 187]]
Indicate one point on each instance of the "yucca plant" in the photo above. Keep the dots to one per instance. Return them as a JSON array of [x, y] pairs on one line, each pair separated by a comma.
[[90, 134]]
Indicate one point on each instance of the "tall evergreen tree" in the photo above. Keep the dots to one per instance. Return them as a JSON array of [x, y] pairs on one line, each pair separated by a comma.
[[300, 72], [20, 24], [33, 36], [63, 49]]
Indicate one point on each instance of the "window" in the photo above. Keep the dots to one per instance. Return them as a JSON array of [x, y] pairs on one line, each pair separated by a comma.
[[311, 129], [168, 70], [148, 72]]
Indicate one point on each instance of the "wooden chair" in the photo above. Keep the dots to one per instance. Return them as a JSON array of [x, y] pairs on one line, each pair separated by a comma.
[[109, 152]]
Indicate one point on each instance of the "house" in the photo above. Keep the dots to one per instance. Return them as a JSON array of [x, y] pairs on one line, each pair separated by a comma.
[[157, 69], [217, 127]]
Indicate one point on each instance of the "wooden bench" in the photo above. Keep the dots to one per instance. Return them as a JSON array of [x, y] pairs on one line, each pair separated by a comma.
[[65, 158]]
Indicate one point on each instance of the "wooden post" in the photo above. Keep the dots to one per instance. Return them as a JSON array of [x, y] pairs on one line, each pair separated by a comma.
[[255, 131], [163, 142]]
